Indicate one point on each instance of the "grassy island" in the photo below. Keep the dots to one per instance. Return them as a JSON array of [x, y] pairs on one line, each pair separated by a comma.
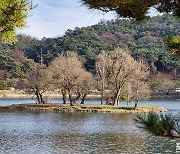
[[82, 108]]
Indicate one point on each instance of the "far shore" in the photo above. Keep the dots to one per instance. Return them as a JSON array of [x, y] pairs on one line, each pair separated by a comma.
[[82, 108], [20, 94]]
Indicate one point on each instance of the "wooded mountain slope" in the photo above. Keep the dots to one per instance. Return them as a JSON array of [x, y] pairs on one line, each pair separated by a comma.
[[142, 39]]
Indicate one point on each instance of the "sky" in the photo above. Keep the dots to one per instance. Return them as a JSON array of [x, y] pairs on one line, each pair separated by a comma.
[[51, 18]]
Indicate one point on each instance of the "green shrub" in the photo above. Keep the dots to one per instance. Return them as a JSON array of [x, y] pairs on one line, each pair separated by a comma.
[[159, 124]]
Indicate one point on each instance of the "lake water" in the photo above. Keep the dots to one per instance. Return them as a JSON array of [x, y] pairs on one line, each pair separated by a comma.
[[170, 104], [74, 133]]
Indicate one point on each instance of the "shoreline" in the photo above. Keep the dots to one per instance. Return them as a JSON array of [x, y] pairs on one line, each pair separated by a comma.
[[19, 94], [82, 108]]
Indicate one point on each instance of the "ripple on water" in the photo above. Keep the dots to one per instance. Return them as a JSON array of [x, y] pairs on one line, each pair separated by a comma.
[[47, 133]]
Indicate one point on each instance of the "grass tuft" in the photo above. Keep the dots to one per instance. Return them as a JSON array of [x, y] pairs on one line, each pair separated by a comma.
[[159, 124]]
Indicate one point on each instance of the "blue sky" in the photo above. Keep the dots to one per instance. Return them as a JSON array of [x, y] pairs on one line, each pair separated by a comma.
[[51, 18]]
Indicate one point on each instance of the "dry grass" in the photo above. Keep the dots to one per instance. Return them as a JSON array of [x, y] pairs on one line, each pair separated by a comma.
[[84, 108]]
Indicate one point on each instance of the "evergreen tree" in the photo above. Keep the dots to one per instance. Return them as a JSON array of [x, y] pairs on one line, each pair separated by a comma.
[[12, 16], [137, 9]]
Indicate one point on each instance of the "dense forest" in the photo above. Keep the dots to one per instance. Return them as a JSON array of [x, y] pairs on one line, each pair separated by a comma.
[[142, 39]]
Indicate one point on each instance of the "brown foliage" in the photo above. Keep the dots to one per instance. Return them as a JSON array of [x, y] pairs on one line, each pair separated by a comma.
[[38, 82], [19, 56], [69, 75], [116, 71], [109, 38]]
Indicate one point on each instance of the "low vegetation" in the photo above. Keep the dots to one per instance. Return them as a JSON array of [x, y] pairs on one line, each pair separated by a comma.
[[106, 107], [165, 125], [81, 108]]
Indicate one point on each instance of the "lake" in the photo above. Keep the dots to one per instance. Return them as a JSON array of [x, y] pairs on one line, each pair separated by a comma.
[[71, 133], [170, 104]]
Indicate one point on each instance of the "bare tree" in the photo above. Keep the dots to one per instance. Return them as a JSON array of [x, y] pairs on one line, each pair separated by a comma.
[[121, 69], [18, 55], [137, 89], [161, 83], [101, 73], [4, 79], [141, 92], [141, 88], [128, 93], [69, 75], [58, 75], [38, 82], [119, 73], [87, 84]]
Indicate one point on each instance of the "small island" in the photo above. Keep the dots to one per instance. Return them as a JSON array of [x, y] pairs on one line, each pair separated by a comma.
[[82, 108]]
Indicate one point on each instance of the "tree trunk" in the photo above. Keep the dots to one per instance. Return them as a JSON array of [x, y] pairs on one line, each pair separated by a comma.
[[109, 101], [102, 97], [83, 98], [103, 85], [136, 103], [64, 99], [38, 98], [116, 97], [128, 100], [76, 98], [70, 99], [118, 100], [137, 96], [41, 98], [64, 96]]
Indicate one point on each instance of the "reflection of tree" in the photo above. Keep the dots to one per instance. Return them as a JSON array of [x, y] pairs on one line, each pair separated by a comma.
[[99, 142]]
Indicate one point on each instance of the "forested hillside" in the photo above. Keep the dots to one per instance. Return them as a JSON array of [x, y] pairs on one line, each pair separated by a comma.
[[13, 62], [142, 39]]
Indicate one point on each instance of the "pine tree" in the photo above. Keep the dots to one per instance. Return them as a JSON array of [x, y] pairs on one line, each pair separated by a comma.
[[137, 9], [12, 16]]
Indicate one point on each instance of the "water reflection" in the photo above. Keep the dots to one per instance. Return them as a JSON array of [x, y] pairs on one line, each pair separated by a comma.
[[76, 133], [100, 143]]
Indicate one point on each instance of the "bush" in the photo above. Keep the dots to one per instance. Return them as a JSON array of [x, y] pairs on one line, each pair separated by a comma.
[[159, 124]]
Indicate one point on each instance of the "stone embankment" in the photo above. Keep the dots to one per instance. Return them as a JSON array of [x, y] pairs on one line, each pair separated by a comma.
[[82, 108]]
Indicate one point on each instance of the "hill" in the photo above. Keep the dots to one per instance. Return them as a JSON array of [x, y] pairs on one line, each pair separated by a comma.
[[141, 39]]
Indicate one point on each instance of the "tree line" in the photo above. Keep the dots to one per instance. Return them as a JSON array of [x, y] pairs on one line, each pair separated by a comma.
[[118, 77], [142, 39]]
